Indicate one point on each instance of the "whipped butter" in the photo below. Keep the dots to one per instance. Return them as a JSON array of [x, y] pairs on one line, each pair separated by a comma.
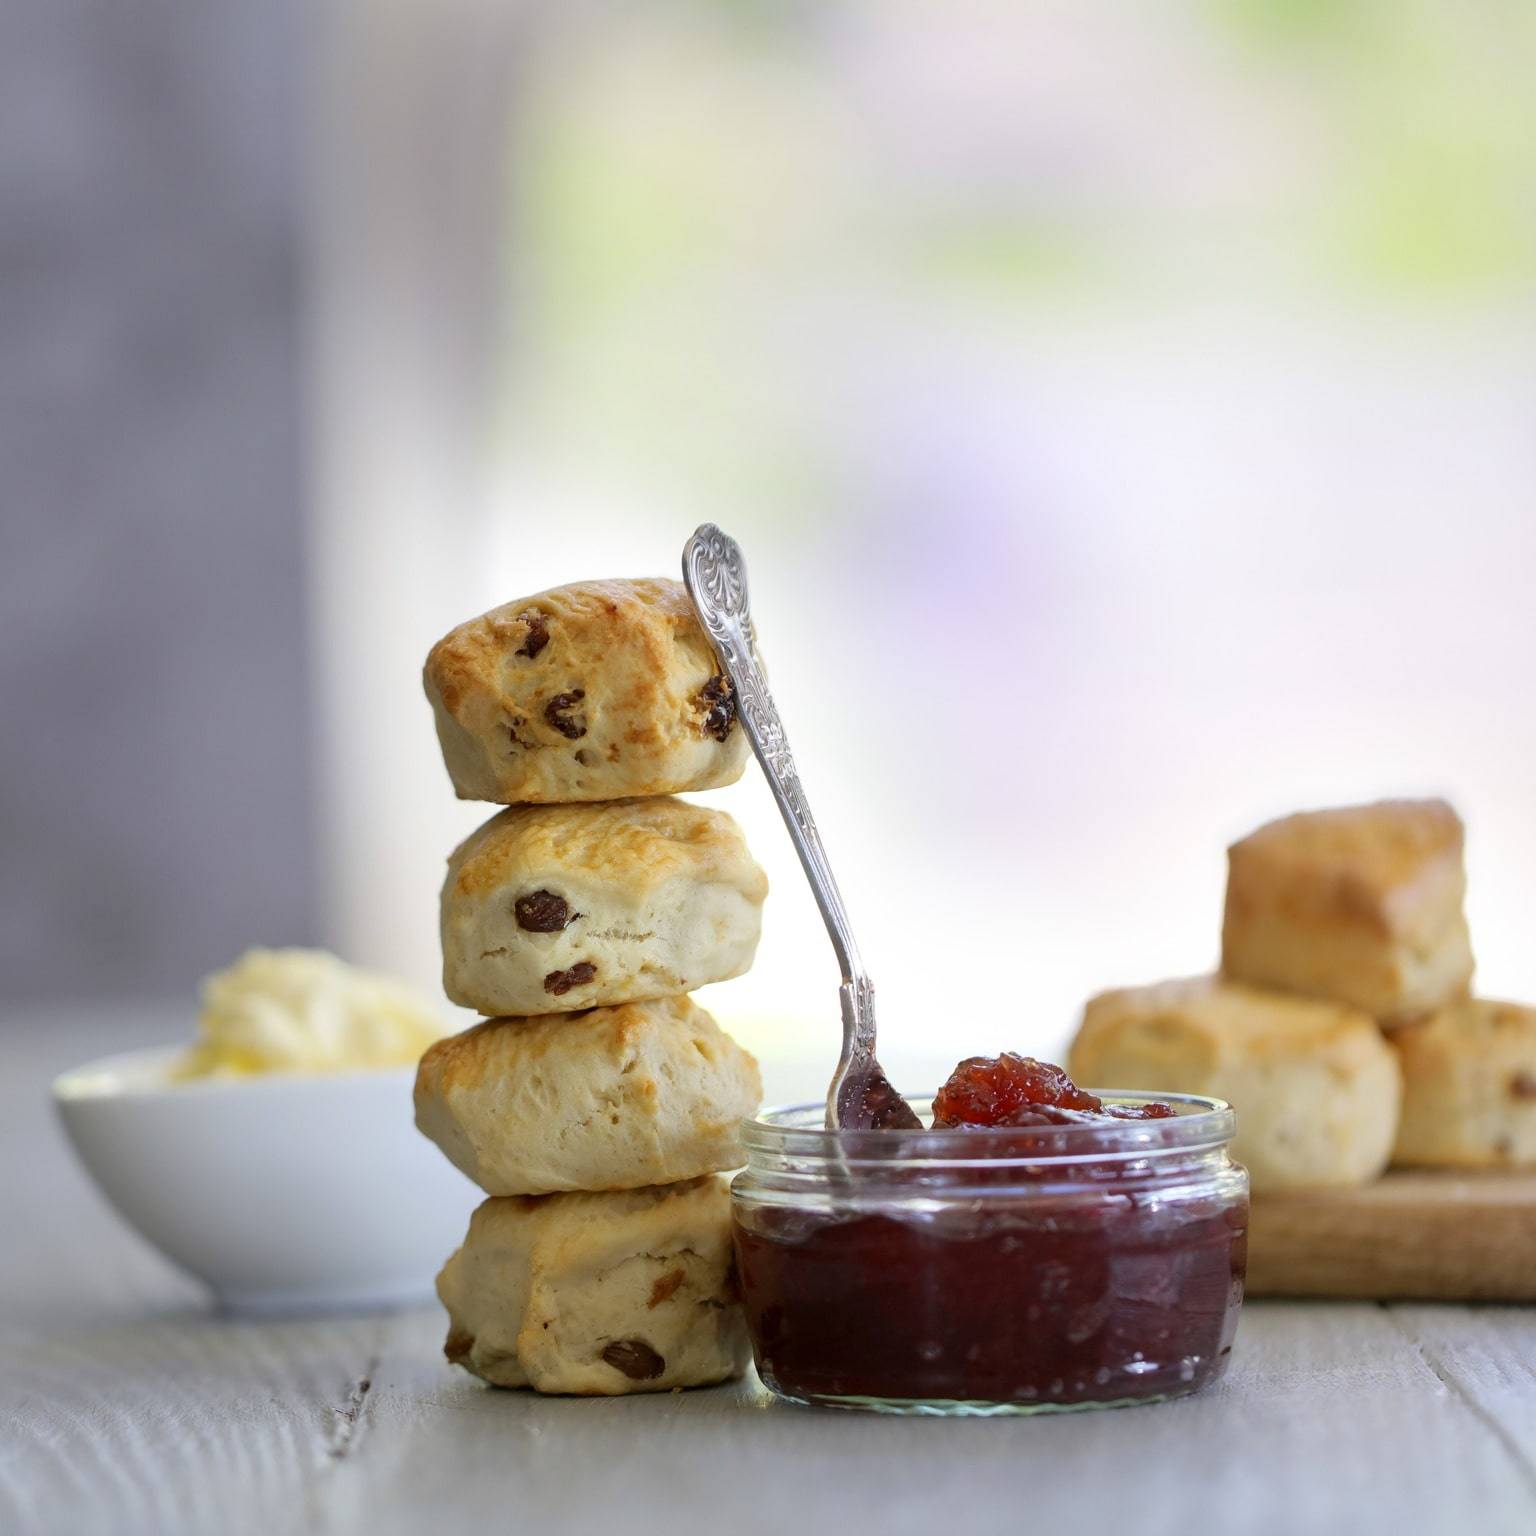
[[298, 1011]]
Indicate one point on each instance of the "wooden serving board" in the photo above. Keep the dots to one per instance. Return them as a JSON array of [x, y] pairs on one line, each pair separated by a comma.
[[1409, 1236]]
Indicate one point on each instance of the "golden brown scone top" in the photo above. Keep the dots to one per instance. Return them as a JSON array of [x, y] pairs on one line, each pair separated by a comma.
[[647, 614], [1349, 860], [636, 842]]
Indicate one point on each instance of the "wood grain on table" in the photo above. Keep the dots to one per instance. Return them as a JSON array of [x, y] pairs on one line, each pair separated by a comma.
[[128, 1407]]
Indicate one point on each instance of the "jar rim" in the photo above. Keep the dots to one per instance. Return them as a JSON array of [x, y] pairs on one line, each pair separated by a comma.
[[1201, 1124]]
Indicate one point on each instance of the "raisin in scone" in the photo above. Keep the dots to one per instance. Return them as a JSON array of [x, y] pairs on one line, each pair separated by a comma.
[[1469, 1087], [594, 691], [1362, 904], [1315, 1087], [551, 908], [613, 1098], [598, 1293]]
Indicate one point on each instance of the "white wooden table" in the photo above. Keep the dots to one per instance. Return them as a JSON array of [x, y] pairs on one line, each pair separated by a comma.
[[128, 1407]]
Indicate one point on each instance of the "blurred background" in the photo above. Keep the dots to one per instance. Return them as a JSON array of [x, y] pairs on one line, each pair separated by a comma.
[[1129, 413]]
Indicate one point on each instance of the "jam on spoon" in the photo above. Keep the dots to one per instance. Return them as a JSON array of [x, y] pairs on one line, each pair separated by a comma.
[[867, 1101]]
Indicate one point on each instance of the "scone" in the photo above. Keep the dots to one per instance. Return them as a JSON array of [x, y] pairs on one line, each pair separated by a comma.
[[589, 692], [613, 1098], [1469, 1087], [601, 1294], [1363, 905], [549, 908], [1315, 1087]]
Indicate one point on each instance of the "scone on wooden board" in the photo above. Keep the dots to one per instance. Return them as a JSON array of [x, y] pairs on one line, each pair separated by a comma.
[[594, 691], [1315, 1086], [1469, 1087], [1362, 904], [551, 908], [613, 1098], [598, 1293]]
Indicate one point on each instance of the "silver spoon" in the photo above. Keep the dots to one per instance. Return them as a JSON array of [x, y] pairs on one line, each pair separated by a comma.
[[860, 1096]]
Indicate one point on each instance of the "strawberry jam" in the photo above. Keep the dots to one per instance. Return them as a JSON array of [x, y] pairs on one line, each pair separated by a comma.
[[1018, 1090], [1038, 1248]]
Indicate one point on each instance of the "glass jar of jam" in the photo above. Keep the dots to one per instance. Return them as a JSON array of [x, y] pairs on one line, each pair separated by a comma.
[[992, 1270]]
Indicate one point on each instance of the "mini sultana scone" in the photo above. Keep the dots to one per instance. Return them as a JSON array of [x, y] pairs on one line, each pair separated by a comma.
[[1362, 904], [593, 691], [1315, 1087], [613, 1098], [1469, 1087], [598, 1293], [550, 908]]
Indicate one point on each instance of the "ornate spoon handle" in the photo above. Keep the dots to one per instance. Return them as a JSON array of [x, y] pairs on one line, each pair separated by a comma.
[[716, 577]]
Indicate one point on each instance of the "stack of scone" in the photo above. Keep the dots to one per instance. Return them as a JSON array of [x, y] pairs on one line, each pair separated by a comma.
[[597, 1104], [1340, 1026]]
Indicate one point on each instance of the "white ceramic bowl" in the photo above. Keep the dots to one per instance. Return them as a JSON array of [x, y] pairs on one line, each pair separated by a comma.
[[284, 1194]]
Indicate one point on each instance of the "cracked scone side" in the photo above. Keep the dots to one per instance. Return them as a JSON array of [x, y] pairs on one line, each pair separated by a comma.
[[612, 1098], [601, 1294]]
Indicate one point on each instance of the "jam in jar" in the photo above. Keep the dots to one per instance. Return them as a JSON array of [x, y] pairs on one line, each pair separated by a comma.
[[1020, 1256]]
